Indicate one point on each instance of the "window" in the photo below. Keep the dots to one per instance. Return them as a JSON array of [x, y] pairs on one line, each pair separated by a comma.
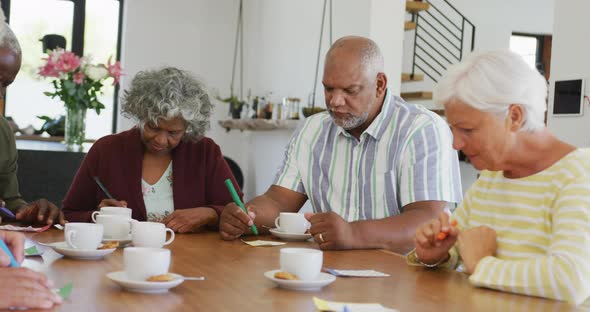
[[526, 46], [97, 37], [535, 49]]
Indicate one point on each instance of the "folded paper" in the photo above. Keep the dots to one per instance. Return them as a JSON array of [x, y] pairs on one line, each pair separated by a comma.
[[262, 243], [324, 305], [356, 273], [11, 227]]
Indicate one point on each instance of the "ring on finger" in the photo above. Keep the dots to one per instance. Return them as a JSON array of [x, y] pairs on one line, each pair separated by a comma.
[[321, 237]]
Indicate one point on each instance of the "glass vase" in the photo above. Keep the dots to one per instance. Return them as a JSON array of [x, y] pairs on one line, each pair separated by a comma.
[[75, 131]]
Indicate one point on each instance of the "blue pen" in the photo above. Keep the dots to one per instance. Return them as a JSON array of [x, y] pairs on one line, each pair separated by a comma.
[[7, 213], [13, 262]]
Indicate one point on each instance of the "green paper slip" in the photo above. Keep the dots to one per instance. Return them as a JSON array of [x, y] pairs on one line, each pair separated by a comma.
[[32, 251], [65, 291]]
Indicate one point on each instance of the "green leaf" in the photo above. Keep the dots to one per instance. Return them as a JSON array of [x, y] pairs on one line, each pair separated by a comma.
[[45, 118], [49, 93], [70, 87]]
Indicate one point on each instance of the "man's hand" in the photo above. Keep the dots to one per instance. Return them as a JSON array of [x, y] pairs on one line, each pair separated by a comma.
[[234, 222], [16, 243], [330, 231], [190, 220], [111, 202], [475, 244], [41, 212], [430, 246], [24, 288]]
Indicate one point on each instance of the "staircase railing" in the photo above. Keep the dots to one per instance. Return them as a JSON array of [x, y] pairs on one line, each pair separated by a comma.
[[440, 38]]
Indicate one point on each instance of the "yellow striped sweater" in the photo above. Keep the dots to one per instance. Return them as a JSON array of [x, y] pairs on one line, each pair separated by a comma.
[[543, 230]]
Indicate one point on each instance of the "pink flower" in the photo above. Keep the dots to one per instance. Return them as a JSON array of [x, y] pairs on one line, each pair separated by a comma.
[[68, 62], [79, 77], [48, 70], [114, 71]]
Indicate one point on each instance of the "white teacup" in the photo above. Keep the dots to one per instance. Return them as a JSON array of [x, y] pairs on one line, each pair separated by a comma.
[[150, 234], [115, 226], [120, 211], [292, 222], [83, 235], [306, 263], [142, 263]]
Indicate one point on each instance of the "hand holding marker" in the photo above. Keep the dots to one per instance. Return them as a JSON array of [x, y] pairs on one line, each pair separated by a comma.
[[442, 235], [237, 201]]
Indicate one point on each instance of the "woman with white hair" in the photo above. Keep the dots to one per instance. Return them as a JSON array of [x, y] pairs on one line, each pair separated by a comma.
[[164, 169], [524, 226]]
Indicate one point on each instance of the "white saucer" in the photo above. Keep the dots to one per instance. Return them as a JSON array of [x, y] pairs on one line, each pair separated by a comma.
[[120, 277], [322, 280], [122, 242], [290, 236], [81, 254]]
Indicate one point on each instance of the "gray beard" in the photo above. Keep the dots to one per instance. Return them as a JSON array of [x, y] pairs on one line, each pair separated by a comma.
[[351, 122]]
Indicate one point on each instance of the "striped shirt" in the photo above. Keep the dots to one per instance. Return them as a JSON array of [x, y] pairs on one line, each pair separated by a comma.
[[542, 224], [404, 156]]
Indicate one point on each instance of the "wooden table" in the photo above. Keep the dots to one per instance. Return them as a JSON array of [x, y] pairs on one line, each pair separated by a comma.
[[235, 282]]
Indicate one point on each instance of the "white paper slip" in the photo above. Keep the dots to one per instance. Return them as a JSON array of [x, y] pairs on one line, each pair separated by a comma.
[[262, 243], [357, 273]]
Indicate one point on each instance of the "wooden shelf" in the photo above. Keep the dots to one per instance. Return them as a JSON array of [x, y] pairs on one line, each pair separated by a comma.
[[416, 6], [45, 139], [406, 77], [259, 124], [409, 26], [420, 95]]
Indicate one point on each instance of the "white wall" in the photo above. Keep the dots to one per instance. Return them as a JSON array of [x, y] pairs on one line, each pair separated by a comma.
[[570, 59], [280, 49]]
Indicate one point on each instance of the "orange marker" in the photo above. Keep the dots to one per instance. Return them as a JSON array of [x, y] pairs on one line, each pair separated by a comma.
[[442, 235]]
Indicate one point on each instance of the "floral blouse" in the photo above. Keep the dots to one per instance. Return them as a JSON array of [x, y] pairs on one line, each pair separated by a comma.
[[158, 199]]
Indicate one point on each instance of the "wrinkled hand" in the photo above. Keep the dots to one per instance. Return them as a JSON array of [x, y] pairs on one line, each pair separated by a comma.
[[331, 231], [475, 244], [40, 211], [24, 288], [190, 220], [429, 248], [234, 222], [16, 243], [108, 202]]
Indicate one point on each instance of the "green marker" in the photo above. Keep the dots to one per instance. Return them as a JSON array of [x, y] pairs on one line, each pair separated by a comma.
[[236, 198]]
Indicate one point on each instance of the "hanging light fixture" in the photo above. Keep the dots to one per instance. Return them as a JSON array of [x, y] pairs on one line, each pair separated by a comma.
[[308, 111]]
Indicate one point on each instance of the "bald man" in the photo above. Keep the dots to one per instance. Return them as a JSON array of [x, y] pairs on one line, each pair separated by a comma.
[[374, 167]]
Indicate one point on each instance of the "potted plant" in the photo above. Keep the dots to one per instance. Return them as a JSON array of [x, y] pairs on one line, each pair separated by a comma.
[[53, 126], [235, 105]]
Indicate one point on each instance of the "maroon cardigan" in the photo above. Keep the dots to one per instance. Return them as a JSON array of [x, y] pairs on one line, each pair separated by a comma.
[[198, 170]]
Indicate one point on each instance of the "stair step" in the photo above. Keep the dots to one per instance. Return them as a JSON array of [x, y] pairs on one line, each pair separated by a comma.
[[416, 6], [419, 95], [408, 77], [409, 26]]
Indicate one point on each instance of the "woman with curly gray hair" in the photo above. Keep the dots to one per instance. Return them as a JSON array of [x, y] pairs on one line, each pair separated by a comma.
[[164, 169]]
